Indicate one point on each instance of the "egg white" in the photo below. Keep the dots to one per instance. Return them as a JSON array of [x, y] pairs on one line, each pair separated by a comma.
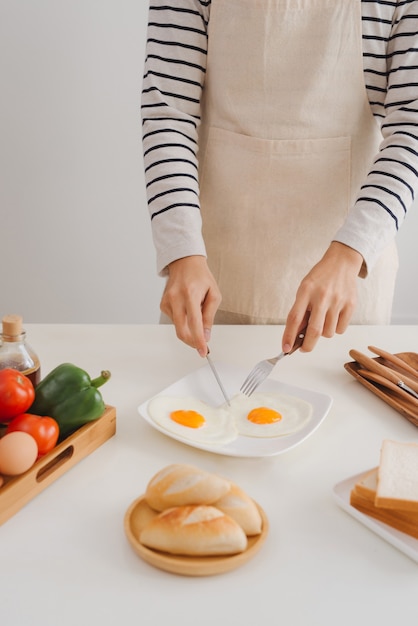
[[219, 428], [295, 413]]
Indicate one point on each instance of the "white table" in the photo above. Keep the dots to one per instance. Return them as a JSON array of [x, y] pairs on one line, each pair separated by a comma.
[[64, 557]]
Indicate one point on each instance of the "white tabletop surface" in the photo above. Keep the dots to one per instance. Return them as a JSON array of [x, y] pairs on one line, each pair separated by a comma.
[[65, 559]]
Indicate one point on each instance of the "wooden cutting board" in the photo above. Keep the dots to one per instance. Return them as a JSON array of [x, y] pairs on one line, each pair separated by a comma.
[[19, 490]]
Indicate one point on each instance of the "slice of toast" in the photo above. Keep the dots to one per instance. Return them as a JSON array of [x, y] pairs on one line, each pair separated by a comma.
[[397, 480]]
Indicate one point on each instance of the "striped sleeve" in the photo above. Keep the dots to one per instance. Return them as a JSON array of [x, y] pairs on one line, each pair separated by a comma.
[[390, 45], [175, 66]]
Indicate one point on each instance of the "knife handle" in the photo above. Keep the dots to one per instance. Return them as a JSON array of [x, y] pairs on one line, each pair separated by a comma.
[[392, 358], [378, 368], [381, 380]]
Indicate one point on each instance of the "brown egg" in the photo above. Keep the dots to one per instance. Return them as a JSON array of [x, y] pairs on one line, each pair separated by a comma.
[[18, 452]]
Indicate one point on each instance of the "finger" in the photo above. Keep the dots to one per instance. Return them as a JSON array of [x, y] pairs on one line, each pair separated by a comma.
[[176, 311], [209, 307], [315, 324], [343, 320], [198, 337], [296, 320], [330, 323], [180, 322], [195, 328], [166, 308]]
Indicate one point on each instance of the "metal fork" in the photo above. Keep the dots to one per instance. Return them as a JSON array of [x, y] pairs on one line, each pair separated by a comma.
[[260, 372]]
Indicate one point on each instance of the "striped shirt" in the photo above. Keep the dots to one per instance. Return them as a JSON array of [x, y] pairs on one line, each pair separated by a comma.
[[175, 66]]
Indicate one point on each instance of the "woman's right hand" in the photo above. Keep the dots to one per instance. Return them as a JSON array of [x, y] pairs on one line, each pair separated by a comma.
[[191, 298]]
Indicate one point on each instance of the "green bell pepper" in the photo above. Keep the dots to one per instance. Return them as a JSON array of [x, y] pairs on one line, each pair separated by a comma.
[[70, 396]]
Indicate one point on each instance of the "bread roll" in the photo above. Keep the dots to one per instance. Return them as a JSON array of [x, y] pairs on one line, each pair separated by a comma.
[[180, 484], [194, 531], [238, 505]]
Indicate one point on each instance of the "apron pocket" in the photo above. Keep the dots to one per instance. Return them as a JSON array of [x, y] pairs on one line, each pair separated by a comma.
[[270, 209]]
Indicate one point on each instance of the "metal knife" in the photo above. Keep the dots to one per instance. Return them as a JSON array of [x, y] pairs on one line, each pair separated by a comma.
[[218, 380], [381, 380]]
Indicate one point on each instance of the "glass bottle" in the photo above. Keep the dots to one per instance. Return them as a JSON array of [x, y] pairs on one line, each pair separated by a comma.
[[15, 352]]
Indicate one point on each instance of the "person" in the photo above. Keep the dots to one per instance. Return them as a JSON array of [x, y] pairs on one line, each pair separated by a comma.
[[280, 147]]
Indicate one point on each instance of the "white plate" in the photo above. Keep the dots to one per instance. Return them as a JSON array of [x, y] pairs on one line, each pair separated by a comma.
[[202, 384], [405, 543]]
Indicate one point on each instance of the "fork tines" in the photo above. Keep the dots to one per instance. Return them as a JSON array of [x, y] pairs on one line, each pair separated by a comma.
[[258, 374], [260, 371]]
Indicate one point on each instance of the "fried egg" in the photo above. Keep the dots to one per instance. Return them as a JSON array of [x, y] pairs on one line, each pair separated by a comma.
[[266, 414], [262, 414], [192, 419]]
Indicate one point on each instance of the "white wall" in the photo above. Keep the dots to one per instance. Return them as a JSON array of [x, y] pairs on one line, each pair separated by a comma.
[[75, 234], [75, 240], [405, 306]]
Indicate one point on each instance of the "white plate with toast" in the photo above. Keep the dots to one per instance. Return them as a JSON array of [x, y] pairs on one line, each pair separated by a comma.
[[201, 384], [403, 542]]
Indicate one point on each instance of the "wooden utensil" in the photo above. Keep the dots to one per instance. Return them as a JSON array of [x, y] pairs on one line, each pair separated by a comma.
[[392, 358], [381, 380], [386, 372], [404, 403]]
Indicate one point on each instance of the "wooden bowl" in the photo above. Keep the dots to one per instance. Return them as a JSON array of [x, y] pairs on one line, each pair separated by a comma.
[[139, 514]]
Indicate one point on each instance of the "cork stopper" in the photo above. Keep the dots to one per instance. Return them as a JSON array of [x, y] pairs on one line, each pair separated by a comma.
[[12, 325]]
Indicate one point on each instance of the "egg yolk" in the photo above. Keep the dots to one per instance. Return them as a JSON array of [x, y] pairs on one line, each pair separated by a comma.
[[192, 419], [263, 415]]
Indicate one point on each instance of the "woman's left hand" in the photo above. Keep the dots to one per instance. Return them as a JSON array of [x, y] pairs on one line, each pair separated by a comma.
[[326, 297]]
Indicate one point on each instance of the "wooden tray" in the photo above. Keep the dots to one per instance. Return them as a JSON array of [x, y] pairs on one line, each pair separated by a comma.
[[404, 406], [18, 491], [139, 513]]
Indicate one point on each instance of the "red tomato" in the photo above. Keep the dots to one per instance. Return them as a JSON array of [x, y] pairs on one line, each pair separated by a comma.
[[44, 430], [16, 394]]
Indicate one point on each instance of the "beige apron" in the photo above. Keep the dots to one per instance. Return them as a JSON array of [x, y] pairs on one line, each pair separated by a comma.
[[286, 141]]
